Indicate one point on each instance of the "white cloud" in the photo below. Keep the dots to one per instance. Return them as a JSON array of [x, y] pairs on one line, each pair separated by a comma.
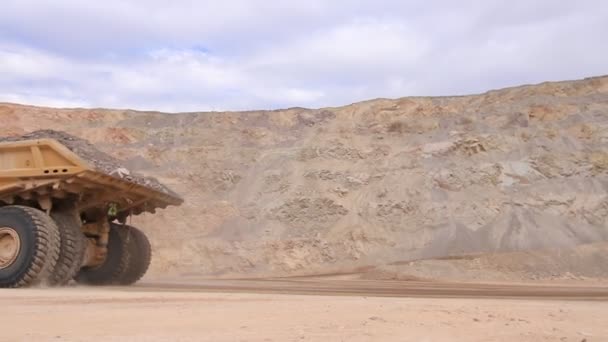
[[238, 54], [39, 100], [20, 63], [372, 48]]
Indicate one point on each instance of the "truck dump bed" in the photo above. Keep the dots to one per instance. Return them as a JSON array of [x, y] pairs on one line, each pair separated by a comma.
[[49, 165]]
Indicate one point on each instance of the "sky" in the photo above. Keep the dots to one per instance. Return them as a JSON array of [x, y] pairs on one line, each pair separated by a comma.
[[187, 55]]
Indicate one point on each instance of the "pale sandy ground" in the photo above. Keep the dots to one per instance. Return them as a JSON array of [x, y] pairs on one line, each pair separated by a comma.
[[148, 314]]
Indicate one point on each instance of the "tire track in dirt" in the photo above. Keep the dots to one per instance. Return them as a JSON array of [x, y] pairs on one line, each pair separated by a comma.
[[382, 288]]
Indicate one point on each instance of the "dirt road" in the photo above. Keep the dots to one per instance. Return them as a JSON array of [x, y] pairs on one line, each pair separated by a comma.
[[347, 310]]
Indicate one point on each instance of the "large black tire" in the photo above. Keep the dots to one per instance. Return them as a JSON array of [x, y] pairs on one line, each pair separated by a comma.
[[73, 246], [140, 254], [117, 259], [39, 246]]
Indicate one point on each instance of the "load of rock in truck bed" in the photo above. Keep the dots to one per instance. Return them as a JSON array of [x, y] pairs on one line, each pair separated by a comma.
[[98, 160]]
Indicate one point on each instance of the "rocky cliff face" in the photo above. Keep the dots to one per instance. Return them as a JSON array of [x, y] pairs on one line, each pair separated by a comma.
[[302, 191]]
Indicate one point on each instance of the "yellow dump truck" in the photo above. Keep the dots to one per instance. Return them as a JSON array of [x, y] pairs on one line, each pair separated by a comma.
[[63, 212]]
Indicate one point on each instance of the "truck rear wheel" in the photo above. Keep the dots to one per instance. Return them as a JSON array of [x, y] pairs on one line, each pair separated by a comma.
[[140, 254], [29, 246], [72, 248], [111, 270]]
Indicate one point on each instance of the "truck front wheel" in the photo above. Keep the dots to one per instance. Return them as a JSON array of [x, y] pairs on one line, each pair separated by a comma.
[[29, 246]]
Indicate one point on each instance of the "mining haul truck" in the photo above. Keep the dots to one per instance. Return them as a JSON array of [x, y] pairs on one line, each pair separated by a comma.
[[64, 206]]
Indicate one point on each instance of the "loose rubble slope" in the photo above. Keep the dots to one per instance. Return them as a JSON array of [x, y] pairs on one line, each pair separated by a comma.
[[301, 191]]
